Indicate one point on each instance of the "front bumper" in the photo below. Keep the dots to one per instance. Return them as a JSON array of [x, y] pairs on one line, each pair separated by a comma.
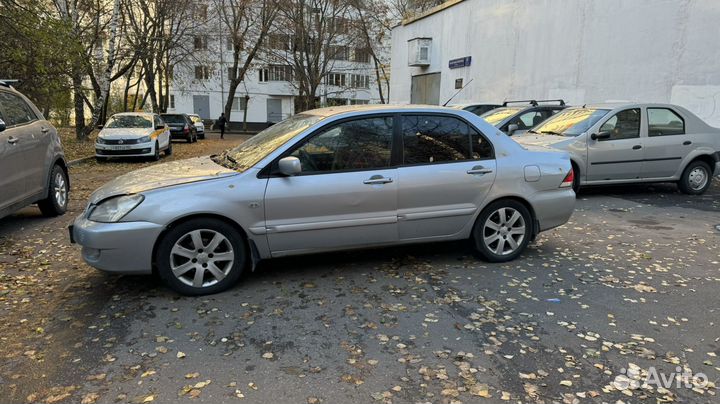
[[133, 150], [122, 247]]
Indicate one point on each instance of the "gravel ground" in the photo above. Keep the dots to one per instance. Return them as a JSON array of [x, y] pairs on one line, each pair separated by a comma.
[[629, 283]]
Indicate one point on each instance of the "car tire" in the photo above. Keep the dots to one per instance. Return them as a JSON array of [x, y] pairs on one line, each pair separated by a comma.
[[156, 156], [499, 223], [58, 194], [189, 139], [177, 253], [576, 180], [168, 151], [202, 136], [696, 178]]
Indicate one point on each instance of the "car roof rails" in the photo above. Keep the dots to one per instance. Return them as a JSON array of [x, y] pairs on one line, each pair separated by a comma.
[[534, 103], [8, 82]]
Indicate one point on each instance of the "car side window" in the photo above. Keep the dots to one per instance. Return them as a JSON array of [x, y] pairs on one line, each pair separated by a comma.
[[15, 110], [438, 139], [359, 144], [623, 125], [158, 121], [664, 122], [530, 119]]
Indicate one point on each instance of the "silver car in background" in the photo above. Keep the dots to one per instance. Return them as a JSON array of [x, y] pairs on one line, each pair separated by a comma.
[[324, 180], [32, 162], [629, 143]]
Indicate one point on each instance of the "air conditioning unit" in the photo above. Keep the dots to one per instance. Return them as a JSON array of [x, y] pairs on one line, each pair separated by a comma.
[[419, 51]]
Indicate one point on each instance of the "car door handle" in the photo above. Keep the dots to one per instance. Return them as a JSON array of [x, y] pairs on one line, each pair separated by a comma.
[[377, 179], [12, 140], [687, 143], [479, 170], [637, 147]]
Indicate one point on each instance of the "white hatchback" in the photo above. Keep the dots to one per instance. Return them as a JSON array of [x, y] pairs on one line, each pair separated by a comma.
[[133, 134], [199, 125]]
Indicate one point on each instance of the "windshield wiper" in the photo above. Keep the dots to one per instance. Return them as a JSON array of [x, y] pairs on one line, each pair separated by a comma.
[[532, 131], [550, 132]]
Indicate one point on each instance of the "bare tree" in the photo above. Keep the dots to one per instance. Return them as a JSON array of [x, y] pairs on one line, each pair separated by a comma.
[[247, 23]]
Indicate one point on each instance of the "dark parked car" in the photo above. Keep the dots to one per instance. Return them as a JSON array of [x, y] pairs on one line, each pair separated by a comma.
[[476, 108], [181, 127], [32, 163], [522, 115]]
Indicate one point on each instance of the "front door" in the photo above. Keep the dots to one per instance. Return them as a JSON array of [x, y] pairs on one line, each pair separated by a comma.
[[27, 172], [619, 156], [346, 194], [201, 106], [667, 143], [448, 169], [274, 110]]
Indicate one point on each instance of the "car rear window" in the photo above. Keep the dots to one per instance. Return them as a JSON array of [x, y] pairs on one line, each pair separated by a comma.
[[173, 118]]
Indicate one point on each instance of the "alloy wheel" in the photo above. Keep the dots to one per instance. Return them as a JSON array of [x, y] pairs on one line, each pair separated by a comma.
[[504, 231], [202, 258], [60, 189]]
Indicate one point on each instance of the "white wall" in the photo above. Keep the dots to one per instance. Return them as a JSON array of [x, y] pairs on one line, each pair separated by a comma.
[[581, 50]]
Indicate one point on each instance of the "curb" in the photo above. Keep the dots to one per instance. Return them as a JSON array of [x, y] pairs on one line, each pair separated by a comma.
[[79, 161]]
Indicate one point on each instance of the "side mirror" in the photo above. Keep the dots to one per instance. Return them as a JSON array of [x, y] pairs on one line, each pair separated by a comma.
[[600, 136], [100, 127], [2, 125], [289, 166], [159, 127], [512, 128]]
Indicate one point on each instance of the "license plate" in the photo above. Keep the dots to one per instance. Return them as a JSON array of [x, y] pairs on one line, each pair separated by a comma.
[[118, 147]]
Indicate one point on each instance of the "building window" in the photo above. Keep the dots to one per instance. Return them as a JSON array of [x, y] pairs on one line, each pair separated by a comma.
[[359, 102], [359, 81], [172, 101], [231, 73], [239, 104], [362, 55], [200, 43], [334, 102], [338, 52], [336, 79], [279, 41], [229, 43], [202, 72], [340, 25], [276, 73], [201, 11]]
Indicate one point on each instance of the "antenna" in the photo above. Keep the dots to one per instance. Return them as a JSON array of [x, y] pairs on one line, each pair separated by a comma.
[[458, 92]]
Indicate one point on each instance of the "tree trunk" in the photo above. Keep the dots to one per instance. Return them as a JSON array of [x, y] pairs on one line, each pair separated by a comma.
[[79, 107]]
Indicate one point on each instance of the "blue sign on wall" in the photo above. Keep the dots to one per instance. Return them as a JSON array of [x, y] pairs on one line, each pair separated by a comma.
[[460, 62]]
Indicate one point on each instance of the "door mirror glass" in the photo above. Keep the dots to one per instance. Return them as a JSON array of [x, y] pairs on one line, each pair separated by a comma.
[[159, 126], [2, 125], [100, 127], [289, 166], [600, 136], [512, 128]]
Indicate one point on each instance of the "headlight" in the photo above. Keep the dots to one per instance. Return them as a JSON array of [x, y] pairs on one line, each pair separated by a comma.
[[144, 139], [113, 209], [100, 140]]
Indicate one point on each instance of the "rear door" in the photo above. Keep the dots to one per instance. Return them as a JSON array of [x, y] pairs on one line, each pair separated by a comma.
[[620, 156], [667, 143], [11, 180], [23, 134], [448, 169], [346, 194]]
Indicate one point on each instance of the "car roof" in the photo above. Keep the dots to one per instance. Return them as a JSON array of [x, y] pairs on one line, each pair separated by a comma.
[[474, 104], [134, 113], [348, 109], [625, 104]]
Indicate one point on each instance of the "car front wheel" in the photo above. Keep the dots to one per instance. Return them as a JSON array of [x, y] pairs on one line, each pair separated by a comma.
[[56, 202], [502, 231], [696, 178], [201, 256]]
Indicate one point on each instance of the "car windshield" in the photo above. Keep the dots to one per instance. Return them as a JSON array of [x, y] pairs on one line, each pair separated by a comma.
[[497, 115], [129, 121], [570, 122], [248, 153], [173, 118], [195, 118]]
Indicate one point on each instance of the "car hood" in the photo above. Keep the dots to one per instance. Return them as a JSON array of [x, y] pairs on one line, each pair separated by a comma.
[[531, 139], [161, 176], [124, 133]]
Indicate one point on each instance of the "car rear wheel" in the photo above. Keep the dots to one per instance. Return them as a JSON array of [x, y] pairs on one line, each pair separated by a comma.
[[502, 231], [58, 194], [201, 256], [156, 156], [696, 178]]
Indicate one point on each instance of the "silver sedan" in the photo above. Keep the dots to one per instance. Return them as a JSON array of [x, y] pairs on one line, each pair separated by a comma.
[[324, 180], [630, 143]]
